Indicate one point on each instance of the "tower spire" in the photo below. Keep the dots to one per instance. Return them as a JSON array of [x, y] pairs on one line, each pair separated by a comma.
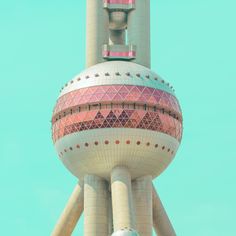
[[118, 30]]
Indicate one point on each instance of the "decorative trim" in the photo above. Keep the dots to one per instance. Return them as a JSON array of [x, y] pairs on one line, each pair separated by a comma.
[[107, 142], [117, 118], [119, 4], [117, 94], [125, 55]]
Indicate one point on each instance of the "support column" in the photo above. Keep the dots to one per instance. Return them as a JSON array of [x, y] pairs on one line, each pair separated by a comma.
[[139, 31], [95, 206], [97, 31], [110, 217], [142, 195], [161, 222], [122, 205], [71, 213]]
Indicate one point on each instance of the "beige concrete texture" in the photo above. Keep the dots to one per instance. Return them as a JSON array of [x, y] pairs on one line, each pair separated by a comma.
[[142, 195], [97, 31], [161, 222], [110, 217], [95, 206], [139, 31], [122, 200], [71, 213]]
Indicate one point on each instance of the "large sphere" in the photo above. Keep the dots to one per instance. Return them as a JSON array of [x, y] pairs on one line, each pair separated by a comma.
[[117, 113]]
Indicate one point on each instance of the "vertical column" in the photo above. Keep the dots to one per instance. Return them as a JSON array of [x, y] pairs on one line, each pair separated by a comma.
[[71, 213], [95, 206], [161, 222], [139, 31], [122, 205], [110, 217], [142, 194], [97, 31]]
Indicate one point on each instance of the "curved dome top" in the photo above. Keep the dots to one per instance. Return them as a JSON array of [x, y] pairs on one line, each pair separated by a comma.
[[117, 72]]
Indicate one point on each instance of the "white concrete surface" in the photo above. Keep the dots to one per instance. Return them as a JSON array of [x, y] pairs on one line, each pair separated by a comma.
[[95, 206], [122, 200], [101, 159], [97, 31], [112, 67], [139, 31], [142, 195]]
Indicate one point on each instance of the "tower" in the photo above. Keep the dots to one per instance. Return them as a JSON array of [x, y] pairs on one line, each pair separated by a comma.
[[116, 126]]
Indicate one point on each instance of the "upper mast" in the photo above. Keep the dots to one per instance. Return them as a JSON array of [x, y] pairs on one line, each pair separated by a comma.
[[118, 30]]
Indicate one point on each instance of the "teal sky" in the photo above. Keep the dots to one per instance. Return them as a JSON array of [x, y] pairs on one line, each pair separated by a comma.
[[42, 46]]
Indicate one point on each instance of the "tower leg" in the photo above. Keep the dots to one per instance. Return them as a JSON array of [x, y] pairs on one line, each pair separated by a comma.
[[95, 206], [71, 213], [142, 195], [122, 204], [161, 221], [110, 217]]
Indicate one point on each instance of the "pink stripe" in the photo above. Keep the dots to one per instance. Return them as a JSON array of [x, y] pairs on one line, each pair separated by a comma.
[[119, 1], [117, 118], [117, 93], [119, 54]]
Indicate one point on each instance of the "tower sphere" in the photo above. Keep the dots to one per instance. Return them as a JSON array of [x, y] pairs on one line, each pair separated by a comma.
[[117, 113]]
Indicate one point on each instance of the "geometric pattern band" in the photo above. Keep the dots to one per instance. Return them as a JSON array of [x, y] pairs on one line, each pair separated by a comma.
[[118, 94], [117, 118]]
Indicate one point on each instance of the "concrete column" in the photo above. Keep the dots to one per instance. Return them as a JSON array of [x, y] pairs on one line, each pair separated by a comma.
[[161, 222], [97, 31], [139, 31], [95, 206], [142, 195], [122, 205], [71, 213], [110, 217]]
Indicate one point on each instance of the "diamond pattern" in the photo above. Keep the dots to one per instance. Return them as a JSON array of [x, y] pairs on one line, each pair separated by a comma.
[[118, 118], [117, 93]]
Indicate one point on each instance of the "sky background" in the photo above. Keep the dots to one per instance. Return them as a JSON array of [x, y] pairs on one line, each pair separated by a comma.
[[42, 46]]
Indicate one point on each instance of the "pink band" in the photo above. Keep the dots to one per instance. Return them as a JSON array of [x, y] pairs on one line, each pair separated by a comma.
[[119, 1], [119, 54]]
